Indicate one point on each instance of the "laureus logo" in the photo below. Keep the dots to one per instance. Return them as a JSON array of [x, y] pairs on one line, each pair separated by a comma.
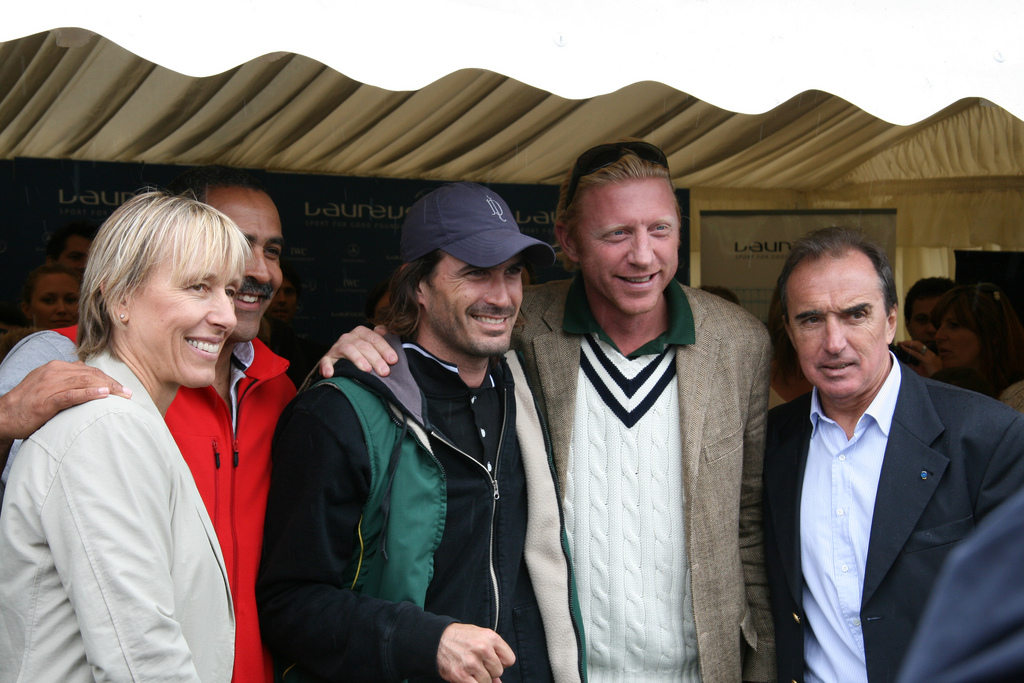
[[94, 197], [761, 247], [496, 209]]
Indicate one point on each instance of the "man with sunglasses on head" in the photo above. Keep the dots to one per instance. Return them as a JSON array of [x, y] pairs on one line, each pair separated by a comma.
[[655, 396]]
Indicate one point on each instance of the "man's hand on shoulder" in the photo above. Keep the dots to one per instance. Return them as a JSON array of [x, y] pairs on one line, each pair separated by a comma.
[[365, 348], [470, 654], [49, 389]]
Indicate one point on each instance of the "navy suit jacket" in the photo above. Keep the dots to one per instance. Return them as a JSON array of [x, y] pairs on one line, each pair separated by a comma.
[[973, 628], [952, 456]]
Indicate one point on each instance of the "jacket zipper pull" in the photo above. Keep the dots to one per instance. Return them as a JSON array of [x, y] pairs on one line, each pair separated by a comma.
[[234, 452], [496, 495], [216, 455]]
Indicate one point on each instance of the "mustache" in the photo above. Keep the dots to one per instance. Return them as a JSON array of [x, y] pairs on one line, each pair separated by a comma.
[[251, 286]]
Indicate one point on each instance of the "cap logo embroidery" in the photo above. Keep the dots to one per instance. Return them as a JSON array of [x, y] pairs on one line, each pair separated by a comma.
[[496, 210]]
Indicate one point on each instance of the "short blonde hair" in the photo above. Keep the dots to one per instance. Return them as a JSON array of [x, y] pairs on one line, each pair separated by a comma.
[[628, 167], [148, 229]]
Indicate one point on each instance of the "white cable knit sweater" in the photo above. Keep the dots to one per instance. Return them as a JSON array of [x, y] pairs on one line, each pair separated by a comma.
[[624, 513]]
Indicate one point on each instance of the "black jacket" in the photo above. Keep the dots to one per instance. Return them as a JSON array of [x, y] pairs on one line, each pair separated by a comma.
[[320, 485]]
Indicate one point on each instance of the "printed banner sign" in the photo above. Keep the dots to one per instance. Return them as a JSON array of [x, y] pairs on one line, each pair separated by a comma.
[[341, 233], [745, 250]]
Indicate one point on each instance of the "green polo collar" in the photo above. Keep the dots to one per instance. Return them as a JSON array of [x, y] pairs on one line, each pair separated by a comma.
[[579, 319]]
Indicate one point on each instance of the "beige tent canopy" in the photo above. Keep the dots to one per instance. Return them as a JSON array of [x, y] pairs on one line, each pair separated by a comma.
[[760, 104]]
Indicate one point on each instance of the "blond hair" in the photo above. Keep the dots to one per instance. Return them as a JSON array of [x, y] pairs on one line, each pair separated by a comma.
[[147, 230], [628, 167]]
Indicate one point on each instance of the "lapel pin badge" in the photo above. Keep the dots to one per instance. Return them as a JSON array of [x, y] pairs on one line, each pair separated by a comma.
[[924, 474]]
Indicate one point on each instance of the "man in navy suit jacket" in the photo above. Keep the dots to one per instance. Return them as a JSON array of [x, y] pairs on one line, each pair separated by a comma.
[[872, 479]]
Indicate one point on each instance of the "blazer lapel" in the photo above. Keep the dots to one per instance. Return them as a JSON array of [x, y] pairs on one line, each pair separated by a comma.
[[783, 484], [558, 360], [911, 472], [694, 373]]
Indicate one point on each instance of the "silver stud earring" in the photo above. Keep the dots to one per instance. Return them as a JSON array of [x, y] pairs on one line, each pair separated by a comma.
[[122, 316]]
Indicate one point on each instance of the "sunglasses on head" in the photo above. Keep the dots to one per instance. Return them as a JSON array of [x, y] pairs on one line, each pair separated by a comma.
[[982, 288], [989, 288], [596, 158]]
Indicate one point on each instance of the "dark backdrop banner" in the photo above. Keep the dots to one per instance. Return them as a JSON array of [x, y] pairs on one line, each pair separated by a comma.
[[341, 233], [1003, 268]]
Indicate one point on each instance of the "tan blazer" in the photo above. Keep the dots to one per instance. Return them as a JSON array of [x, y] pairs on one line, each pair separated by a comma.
[[723, 398]]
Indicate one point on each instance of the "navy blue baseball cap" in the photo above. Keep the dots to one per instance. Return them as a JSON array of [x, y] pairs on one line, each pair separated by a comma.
[[471, 223]]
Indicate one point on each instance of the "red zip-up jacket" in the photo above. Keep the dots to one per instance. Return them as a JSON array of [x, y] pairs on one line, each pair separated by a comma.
[[232, 472]]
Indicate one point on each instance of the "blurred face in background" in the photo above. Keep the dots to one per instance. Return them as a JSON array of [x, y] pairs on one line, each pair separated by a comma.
[[76, 253], [286, 302], [920, 327], [958, 345], [54, 302]]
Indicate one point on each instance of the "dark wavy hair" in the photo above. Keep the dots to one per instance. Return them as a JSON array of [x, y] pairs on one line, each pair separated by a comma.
[[402, 314], [985, 309]]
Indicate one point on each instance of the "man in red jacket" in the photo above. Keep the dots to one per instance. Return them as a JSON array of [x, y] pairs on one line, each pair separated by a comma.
[[224, 431]]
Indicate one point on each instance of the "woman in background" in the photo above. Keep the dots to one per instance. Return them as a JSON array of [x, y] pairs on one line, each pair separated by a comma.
[[109, 564], [49, 298], [977, 328]]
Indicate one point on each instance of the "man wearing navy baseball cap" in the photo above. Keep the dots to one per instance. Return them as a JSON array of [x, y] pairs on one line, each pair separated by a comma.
[[413, 528]]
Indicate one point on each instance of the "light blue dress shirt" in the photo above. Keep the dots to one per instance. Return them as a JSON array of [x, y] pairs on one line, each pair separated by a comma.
[[836, 507]]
